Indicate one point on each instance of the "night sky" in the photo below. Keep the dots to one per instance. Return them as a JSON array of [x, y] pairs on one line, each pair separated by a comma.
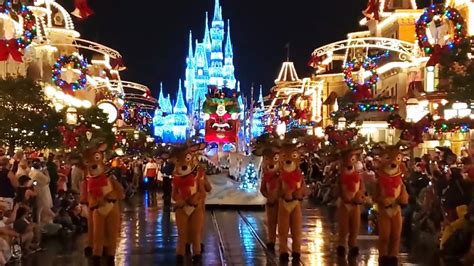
[[152, 35]]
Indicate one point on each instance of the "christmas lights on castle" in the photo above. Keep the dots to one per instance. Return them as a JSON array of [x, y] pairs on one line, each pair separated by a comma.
[[209, 63]]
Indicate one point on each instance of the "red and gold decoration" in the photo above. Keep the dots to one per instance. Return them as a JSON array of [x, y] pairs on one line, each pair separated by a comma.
[[412, 133], [441, 16], [13, 47], [71, 62], [82, 9], [71, 136]]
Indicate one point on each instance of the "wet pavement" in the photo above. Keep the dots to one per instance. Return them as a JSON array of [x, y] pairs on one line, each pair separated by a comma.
[[232, 237]]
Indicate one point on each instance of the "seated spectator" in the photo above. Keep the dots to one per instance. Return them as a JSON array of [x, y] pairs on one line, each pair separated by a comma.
[[64, 220], [27, 230], [78, 214]]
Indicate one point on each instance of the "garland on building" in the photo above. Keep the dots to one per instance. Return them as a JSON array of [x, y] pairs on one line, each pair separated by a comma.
[[72, 62], [351, 111], [436, 14], [462, 125], [13, 47]]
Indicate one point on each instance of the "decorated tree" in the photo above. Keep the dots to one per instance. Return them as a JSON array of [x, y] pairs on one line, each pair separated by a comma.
[[457, 71], [249, 179], [91, 128], [27, 118]]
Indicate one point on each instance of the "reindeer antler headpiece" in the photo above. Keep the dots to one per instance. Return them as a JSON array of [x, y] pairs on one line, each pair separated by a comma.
[[341, 141]]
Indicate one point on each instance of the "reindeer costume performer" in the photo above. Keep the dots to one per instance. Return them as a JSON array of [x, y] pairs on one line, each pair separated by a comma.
[[267, 147], [350, 188], [101, 193], [292, 191], [390, 195], [189, 192]]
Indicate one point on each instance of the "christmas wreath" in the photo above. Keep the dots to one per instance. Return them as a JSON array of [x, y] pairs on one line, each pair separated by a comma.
[[13, 46], [361, 91], [435, 13], [78, 63]]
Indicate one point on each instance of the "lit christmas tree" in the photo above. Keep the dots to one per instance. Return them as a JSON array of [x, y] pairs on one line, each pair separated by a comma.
[[249, 181]]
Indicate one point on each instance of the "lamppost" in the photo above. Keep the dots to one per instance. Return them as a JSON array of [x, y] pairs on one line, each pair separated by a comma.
[[71, 116]]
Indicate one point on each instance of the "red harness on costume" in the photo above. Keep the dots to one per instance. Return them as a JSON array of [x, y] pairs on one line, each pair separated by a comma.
[[270, 179], [350, 180], [95, 185], [292, 179], [184, 183], [390, 183]]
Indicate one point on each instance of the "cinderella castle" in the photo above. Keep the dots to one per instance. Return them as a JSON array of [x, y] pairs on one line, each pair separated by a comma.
[[209, 62]]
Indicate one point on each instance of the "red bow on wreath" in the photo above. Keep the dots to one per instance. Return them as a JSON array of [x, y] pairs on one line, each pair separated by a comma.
[[10, 47], [362, 92], [438, 51]]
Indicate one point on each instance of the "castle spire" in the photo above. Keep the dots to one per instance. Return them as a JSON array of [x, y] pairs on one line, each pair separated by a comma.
[[207, 34], [229, 53], [190, 50], [161, 98], [217, 11], [180, 106], [260, 97]]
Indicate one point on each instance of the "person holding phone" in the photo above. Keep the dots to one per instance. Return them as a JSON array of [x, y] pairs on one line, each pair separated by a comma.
[[44, 201]]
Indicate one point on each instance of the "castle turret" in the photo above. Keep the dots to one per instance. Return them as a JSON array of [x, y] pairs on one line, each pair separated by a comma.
[[180, 106], [229, 77]]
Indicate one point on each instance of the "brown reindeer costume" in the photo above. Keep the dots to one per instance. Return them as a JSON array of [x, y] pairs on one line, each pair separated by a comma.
[[269, 187], [345, 145], [351, 196], [292, 191], [102, 194], [189, 192], [390, 194]]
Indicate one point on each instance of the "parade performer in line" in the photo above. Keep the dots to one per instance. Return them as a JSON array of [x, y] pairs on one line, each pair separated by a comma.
[[292, 191], [390, 195], [102, 194], [189, 192], [351, 197], [346, 145], [269, 186]]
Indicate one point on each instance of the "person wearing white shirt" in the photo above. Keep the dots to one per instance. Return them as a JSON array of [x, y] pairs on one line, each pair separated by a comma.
[[41, 181]]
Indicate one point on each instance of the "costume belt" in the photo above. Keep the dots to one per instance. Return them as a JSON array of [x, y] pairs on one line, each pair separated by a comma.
[[98, 206]]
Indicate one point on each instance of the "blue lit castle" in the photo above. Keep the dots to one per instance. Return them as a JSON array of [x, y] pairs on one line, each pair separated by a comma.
[[171, 123], [209, 62]]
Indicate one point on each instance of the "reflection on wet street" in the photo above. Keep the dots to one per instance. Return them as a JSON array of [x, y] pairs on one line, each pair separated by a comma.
[[232, 237]]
